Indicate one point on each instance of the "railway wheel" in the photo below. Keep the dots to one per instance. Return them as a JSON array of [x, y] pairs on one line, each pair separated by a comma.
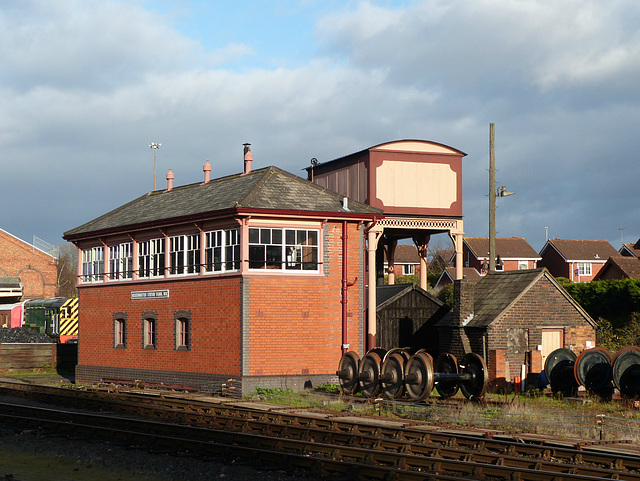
[[626, 371], [447, 366], [392, 373], [369, 373], [559, 369], [348, 372], [593, 369], [418, 376], [476, 386]]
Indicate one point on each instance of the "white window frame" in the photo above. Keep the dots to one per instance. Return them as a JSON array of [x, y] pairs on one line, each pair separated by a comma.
[[408, 269], [121, 261], [184, 251], [151, 258], [584, 268], [284, 249], [523, 265], [222, 250], [93, 264]]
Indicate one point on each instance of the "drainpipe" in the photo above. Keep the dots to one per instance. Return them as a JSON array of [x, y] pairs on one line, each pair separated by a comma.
[[345, 287]]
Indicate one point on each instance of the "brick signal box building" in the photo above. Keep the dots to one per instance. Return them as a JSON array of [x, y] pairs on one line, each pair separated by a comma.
[[260, 278]]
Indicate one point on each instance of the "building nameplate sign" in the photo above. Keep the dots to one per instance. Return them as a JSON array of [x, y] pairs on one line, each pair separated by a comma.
[[162, 294]]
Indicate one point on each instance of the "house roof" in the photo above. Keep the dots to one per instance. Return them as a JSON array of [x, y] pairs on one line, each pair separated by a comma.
[[581, 250], [630, 249], [446, 255], [626, 267], [506, 248], [496, 292], [386, 295], [449, 274], [270, 189], [405, 254]]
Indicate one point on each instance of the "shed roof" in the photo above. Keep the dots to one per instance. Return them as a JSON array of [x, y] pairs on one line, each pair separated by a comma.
[[386, 295], [496, 292], [581, 250], [506, 248], [270, 189]]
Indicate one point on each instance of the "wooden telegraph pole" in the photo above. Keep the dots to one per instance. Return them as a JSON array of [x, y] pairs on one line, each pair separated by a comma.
[[492, 199]]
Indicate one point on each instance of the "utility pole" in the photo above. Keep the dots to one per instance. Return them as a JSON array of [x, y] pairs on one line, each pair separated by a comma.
[[492, 199]]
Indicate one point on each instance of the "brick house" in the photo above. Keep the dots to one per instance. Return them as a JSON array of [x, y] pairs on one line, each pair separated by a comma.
[[262, 278], [36, 269], [619, 267], [576, 260], [512, 254], [514, 318], [406, 261], [630, 250]]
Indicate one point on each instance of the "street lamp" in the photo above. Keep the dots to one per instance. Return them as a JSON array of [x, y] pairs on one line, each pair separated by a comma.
[[501, 192], [155, 146]]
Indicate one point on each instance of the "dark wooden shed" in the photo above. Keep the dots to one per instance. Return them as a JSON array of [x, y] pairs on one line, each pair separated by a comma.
[[406, 315]]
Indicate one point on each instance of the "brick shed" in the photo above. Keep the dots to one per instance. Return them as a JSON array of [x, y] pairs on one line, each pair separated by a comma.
[[36, 269], [512, 319]]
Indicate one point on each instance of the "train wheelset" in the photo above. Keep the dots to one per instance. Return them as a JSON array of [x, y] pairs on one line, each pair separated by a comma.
[[398, 373], [596, 369]]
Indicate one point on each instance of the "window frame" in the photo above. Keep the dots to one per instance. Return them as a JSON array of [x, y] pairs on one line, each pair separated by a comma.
[[182, 330], [523, 265], [120, 330], [582, 268], [281, 249], [93, 264], [184, 255], [153, 253], [121, 261], [227, 243], [408, 269], [149, 330]]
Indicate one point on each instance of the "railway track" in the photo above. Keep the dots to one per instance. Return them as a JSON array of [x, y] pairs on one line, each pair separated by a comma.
[[325, 444]]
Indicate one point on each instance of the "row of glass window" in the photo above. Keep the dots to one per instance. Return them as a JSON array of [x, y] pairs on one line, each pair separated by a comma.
[[269, 248]]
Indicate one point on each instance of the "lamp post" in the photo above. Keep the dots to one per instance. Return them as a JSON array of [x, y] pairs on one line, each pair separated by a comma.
[[501, 192], [155, 146]]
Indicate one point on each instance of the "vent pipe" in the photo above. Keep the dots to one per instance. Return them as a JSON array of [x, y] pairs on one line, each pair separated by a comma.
[[207, 172], [170, 177], [248, 159]]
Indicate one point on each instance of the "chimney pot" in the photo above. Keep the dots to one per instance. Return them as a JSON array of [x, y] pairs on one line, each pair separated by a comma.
[[248, 159], [207, 172], [170, 177]]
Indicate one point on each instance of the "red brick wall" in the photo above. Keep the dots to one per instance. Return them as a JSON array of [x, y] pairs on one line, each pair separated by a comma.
[[215, 325], [295, 323], [37, 270], [553, 261], [258, 325]]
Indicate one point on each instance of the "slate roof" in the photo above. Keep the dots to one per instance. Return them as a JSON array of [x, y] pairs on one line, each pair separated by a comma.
[[506, 248], [581, 250], [496, 292], [269, 188], [385, 295], [10, 282], [626, 267]]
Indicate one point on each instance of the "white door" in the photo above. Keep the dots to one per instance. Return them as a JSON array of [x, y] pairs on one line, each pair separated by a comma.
[[552, 339]]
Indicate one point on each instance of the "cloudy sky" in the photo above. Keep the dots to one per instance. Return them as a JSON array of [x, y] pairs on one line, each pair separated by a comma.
[[86, 85]]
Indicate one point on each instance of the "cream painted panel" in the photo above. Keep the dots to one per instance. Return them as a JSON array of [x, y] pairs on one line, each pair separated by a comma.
[[551, 340], [416, 184], [416, 147]]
